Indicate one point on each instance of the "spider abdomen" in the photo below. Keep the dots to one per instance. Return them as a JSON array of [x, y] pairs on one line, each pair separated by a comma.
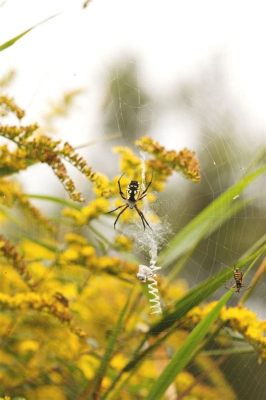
[[238, 277], [132, 190]]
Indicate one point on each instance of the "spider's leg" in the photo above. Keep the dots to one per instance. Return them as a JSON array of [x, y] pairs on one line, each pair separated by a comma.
[[109, 212], [246, 287], [141, 197], [121, 212], [120, 189], [147, 187], [230, 287], [142, 217], [142, 220]]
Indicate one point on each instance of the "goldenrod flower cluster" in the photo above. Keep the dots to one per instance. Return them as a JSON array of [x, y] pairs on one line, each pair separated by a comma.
[[85, 214], [35, 147], [12, 196], [240, 319], [80, 252], [38, 302], [122, 242], [129, 162], [247, 323], [184, 160], [11, 254], [7, 105], [186, 382], [12, 161]]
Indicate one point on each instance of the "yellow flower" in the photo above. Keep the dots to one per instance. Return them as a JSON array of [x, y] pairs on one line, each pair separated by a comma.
[[123, 242], [92, 210], [27, 346], [184, 380], [47, 392], [88, 365], [184, 161], [129, 162], [74, 238], [118, 361], [240, 315], [70, 254], [88, 251]]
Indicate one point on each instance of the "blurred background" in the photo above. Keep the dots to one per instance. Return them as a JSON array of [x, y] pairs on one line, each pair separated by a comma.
[[187, 73]]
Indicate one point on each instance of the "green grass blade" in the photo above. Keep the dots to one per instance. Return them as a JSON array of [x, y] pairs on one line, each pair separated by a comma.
[[54, 199], [232, 211], [12, 41], [186, 353], [205, 222], [208, 287]]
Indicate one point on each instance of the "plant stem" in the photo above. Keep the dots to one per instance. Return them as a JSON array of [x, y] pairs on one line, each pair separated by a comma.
[[257, 277]]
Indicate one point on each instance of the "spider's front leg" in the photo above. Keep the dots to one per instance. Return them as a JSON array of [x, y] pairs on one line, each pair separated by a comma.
[[120, 189], [117, 208], [143, 194]]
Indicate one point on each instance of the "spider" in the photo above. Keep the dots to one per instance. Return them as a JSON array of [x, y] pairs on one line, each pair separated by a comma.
[[238, 277], [131, 200]]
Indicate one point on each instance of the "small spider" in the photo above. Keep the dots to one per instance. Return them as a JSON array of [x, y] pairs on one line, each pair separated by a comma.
[[238, 277], [131, 200]]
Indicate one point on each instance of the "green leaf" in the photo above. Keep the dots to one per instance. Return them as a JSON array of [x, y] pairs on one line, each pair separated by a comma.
[[206, 222], [12, 41], [187, 351], [201, 292]]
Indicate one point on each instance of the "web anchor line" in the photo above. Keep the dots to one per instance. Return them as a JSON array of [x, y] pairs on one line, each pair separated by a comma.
[[148, 274]]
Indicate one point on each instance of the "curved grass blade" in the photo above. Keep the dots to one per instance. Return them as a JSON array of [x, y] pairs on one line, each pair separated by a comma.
[[54, 199], [187, 352], [205, 222], [208, 287], [235, 208], [12, 41]]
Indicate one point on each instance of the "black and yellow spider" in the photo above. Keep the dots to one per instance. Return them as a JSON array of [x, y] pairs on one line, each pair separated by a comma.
[[133, 196]]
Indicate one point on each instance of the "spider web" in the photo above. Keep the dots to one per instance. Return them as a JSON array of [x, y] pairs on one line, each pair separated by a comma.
[[206, 112], [199, 115]]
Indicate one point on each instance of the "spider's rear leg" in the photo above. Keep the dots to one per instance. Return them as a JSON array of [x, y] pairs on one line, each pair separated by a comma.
[[121, 212], [143, 219]]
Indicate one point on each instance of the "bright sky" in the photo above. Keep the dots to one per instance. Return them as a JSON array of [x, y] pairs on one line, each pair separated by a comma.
[[174, 41]]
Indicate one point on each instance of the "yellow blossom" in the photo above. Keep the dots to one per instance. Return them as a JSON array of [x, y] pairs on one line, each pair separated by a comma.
[[92, 210], [88, 251], [123, 242], [88, 365], [47, 392], [129, 162], [70, 254], [118, 361], [28, 346], [75, 238], [184, 161]]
